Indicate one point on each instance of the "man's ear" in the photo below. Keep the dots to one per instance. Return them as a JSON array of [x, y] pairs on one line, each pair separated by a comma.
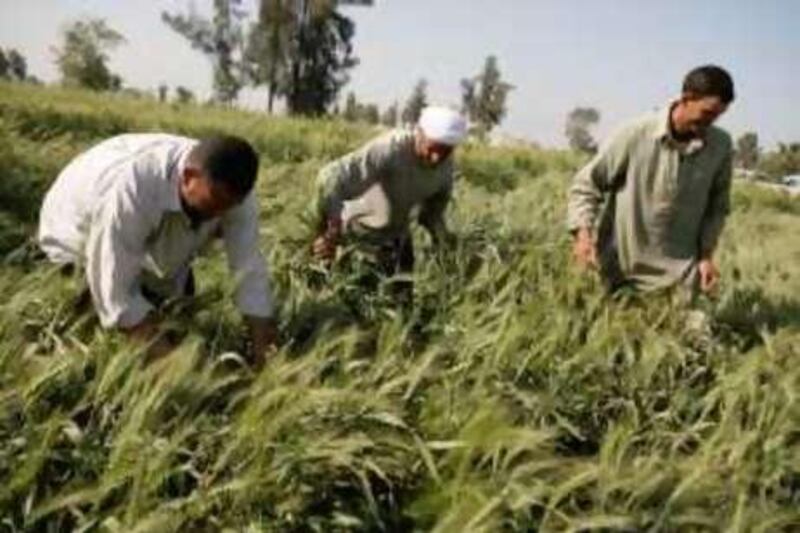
[[190, 174]]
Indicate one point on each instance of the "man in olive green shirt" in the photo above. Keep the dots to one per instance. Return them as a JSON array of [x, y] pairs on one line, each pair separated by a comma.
[[370, 195], [648, 210]]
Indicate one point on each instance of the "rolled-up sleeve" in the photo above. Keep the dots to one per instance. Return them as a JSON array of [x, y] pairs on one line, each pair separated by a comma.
[[246, 262], [597, 178], [115, 250], [718, 207]]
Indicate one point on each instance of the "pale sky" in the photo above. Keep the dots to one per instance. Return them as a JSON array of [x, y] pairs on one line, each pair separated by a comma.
[[622, 56]]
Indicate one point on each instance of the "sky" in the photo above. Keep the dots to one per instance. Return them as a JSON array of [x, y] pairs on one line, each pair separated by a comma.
[[624, 57]]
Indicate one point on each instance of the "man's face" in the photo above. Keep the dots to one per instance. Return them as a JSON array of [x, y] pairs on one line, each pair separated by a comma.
[[700, 112], [432, 153], [202, 199]]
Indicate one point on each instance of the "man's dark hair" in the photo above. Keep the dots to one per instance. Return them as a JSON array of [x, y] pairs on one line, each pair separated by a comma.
[[229, 161], [710, 80]]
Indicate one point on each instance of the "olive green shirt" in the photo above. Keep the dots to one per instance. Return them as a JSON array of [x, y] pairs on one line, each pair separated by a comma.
[[656, 205], [389, 164]]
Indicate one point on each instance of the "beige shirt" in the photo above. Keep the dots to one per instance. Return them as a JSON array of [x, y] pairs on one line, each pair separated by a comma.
[[376, 189], [664, 202], [115, 209]]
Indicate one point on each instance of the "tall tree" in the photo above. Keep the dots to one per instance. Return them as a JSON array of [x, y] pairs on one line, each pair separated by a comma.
[[4, 66], [183, 95], [83, 56], [371, 114], [221, 39], [579, 121], [351, 108], [321, 58], [269, 47], [301, 51], [484, 97], [163, 90], [390, 116], [469, 98], [416, 102], [747, 150], [17, 66]]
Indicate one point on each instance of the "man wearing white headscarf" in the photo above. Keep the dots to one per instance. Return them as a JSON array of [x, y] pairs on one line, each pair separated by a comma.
[[371, 194]]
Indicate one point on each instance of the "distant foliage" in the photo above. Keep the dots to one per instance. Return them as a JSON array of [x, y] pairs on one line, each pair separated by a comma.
[[355, 111], [484, 98], [372, 114], [13, 65], [579, 123], [782, 162], [321, 64], [300, 50], [83, 55], [221, 39], [416, 103], [390, 116], [183, 95], [510, 167], [270, 46], [747, 151]]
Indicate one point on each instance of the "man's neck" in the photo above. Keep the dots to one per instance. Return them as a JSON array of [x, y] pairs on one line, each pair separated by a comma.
[[675, 131]]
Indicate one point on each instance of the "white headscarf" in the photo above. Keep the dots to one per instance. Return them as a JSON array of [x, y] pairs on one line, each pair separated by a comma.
[[443, 125]]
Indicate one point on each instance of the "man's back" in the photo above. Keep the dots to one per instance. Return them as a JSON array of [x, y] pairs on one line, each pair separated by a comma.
[[146, 162]]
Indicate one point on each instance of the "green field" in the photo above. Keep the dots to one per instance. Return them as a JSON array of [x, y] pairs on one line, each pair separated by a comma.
[[515, 397]]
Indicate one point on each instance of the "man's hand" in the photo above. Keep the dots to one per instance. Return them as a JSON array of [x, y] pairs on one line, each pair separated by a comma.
[[264, 334], [709, 275], [325, 245], [584, 250], [324, 248]]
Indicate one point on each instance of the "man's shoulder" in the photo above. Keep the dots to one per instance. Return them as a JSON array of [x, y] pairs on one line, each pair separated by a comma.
[[145, 152], [144, 142], [648, 123], [149, 164], [390, 142], [633, 130], [717, 136]]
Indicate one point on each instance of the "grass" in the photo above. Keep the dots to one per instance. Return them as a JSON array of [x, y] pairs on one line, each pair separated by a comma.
[[515, 397]]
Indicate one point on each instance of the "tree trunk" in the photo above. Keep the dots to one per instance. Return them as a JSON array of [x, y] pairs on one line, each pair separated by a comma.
[[270, 97]]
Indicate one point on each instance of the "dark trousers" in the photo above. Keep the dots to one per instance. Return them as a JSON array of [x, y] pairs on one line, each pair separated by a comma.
[[189, 290], [397, 258]]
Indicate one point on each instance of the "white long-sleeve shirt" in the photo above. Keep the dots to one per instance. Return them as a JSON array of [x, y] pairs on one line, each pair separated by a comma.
[[116, 210]]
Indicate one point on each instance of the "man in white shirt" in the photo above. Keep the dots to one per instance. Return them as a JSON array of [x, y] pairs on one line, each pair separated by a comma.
[[133, 212]]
